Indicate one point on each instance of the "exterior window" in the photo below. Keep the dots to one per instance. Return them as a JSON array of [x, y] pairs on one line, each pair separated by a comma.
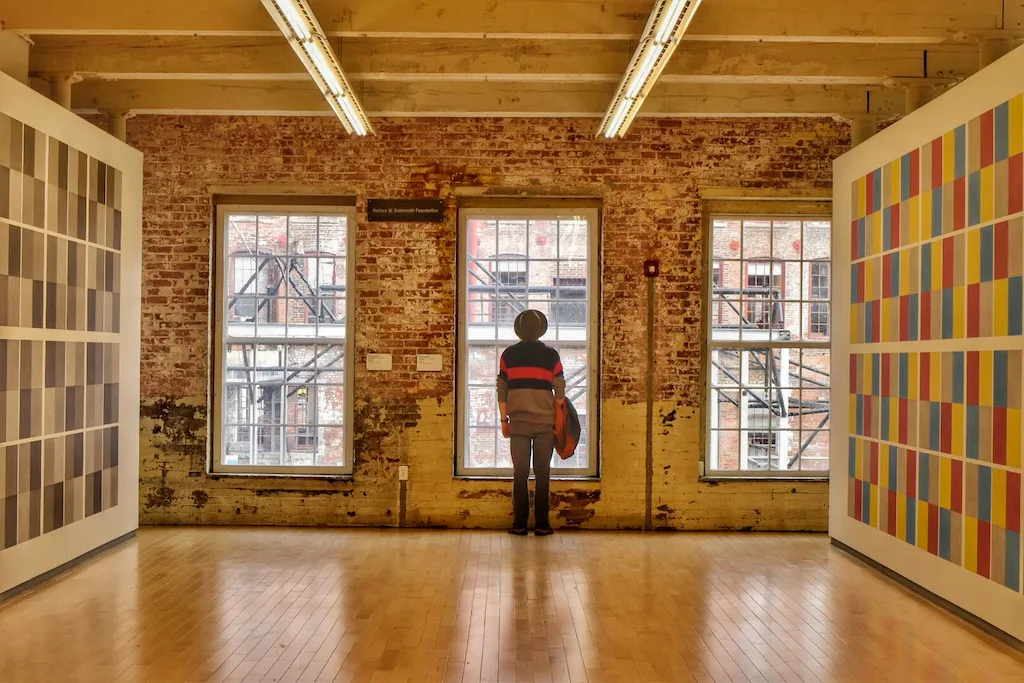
[[283, 401], [819, 310], [768, 376], [514, 260]]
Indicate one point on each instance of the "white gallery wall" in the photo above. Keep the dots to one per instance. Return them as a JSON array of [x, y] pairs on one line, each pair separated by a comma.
[[70, 283], [927, 390]]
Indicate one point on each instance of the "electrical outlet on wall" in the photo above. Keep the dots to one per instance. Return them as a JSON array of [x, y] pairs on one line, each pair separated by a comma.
[[403, 473]]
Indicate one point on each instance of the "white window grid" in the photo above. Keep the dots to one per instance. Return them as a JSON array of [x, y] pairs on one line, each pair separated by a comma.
[[485, 331], [768, 383], [283, 400]]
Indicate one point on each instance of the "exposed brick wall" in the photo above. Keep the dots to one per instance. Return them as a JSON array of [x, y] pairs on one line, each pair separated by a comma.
[[649, 185]]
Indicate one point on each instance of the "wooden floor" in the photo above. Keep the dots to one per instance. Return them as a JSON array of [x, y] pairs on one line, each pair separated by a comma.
[[224, 604]]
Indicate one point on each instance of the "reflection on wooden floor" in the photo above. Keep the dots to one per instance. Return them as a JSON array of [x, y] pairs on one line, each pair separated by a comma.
[[221, 604]]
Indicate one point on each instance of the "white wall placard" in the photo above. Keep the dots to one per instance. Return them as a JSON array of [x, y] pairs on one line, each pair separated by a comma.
[[378, 362], [428, 362]]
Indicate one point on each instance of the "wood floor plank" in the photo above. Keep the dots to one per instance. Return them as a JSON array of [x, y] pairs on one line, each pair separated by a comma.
[[234, 605]]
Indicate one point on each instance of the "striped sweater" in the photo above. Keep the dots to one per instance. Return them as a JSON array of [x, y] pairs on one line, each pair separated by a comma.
[[530, 380]]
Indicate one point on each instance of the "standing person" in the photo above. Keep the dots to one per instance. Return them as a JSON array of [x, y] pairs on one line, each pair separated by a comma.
[[530, 385]]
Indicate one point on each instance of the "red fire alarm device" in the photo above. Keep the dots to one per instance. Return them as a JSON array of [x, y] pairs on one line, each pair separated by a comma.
[[652, 268]]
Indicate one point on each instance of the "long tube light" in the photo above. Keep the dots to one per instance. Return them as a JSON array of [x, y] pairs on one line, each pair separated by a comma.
[[665, 28], [299, 25]]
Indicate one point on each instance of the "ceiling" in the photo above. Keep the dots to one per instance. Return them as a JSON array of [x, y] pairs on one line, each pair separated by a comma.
[[509, 57]]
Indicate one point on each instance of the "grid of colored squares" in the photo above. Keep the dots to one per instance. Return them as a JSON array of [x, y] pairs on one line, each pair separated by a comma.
[[995, 280], [944, 196], [886, 207], [943, 294], [995, 163], [941, 413], [993, 523], [884, 396], [916, 497], [994, 404]]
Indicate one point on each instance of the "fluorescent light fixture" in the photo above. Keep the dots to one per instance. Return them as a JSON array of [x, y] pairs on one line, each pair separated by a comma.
[[665, 28], [307, 38]]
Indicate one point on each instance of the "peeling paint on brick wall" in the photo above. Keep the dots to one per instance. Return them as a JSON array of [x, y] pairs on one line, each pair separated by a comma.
[[405, 304]]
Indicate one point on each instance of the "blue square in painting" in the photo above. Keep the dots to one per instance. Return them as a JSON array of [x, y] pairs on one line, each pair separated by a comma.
[[935, 426], [985, 494], [973, 432], [1002, 132], [1015, 312], [926, 267], [1012, 560], [987, 251], [894, 466], [960, 151], [862, 237], [947, 313], [914, 315], [894, 275], [885, 422], [1000, 378], [911, 520], [904, 375], [974, 198], [937, 211], [852, 457], [866, 509], [945, 526], [854, 284], [905, 177]]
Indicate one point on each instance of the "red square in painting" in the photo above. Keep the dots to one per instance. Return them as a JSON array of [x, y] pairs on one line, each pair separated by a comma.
[[973, 373], [984, 549], [887, 276], [926, 316], [956, 490], [960, 203], [948, 252], [988, 146], [1017, 183], [858, 499], [876, 322], [894, 228], [905, 318], [1013, 501], [925, 376], [946, 435], [870, 182]]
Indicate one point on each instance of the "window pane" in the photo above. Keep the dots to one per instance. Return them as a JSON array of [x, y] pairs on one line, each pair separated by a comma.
[[769, 405], [284, 402], [513, 265]]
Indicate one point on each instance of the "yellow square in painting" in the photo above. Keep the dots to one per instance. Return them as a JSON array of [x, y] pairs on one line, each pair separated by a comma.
[[999, 497], [936, 267], [971, 544], [946, 482], [912, 377], [1000, 307], [1017, 125], [895, 188], [988, 193], [883, 469], [913, 220], [985, 372], [1013, 441], [856, 336], [853, 415], [876, 232], [886, 321], [935, 380], [905, 285], [973, 257]]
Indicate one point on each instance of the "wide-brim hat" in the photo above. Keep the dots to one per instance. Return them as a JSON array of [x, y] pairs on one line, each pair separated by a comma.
[[531, 325]]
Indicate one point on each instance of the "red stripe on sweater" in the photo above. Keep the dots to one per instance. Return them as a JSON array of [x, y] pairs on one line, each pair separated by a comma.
[[529, 373]]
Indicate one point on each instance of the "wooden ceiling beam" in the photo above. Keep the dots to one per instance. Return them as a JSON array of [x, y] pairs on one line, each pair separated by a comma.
[[477, 99], [870, 21], [270, 58]]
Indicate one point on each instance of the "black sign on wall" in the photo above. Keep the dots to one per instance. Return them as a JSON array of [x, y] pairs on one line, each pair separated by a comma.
[[405, 210]]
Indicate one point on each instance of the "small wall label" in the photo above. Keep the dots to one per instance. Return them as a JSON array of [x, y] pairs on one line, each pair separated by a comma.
[[428, 362], [405, 210], [378, 362]]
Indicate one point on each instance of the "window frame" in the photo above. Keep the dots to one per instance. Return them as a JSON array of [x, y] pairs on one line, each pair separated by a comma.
[[785, 209], [594, 269], [825, 301], [223, 279]]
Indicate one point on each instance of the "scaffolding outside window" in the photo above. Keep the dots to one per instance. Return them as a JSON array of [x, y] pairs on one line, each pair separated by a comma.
[[511, 261], [283, 403], [768, 323]]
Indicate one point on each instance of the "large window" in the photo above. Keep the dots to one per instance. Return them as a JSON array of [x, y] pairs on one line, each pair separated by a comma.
[[283, 399], [768, 322], [511, 261]]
